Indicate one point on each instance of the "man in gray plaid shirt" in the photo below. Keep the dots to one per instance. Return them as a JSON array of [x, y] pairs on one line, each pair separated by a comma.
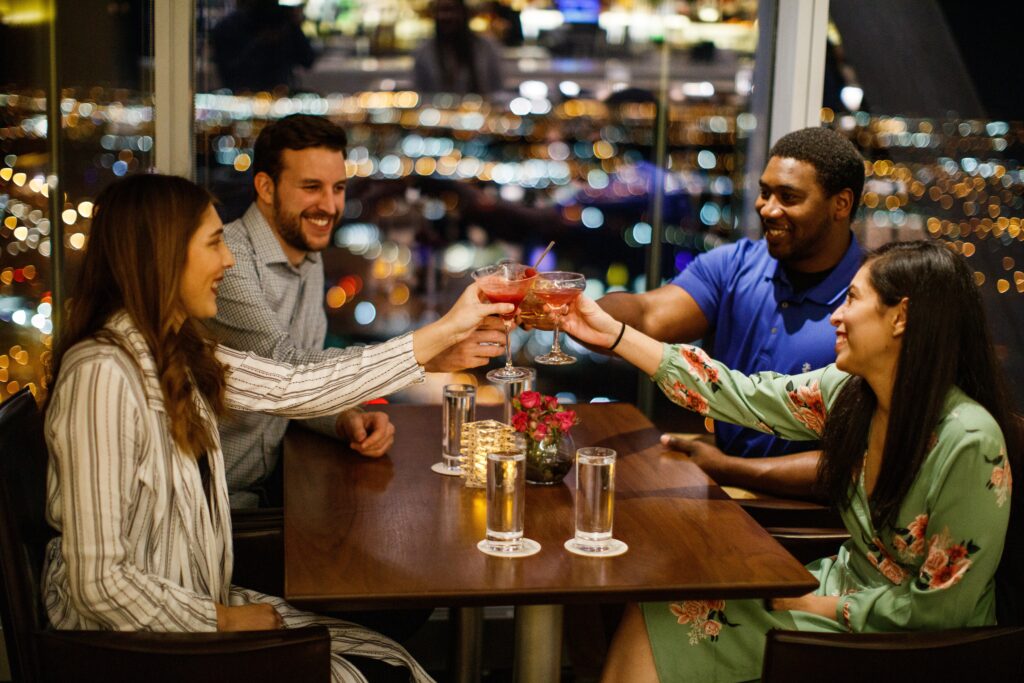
[[271, 302]]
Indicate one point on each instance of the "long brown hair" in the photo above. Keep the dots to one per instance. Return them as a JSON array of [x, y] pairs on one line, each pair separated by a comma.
[[944, 304], [138, 245]]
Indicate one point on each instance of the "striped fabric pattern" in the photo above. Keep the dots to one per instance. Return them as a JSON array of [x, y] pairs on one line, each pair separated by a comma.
[[269, 307], [140, 549]]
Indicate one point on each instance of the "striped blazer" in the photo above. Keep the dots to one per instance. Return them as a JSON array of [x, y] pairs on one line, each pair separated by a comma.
[[139, 548]]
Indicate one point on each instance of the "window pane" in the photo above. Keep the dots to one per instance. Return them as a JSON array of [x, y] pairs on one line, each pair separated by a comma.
[[107, 132], [943, 137], [483, 131]]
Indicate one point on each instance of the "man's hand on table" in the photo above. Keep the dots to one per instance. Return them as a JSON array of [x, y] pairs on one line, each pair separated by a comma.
[[705, 455], [486, 342], [369, 433]]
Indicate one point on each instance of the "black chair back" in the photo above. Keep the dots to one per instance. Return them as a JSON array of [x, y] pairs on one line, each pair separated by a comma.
[[987, 653], [23, 529]]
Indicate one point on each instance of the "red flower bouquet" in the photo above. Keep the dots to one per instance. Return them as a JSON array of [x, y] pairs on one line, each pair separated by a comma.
[[549, 448]]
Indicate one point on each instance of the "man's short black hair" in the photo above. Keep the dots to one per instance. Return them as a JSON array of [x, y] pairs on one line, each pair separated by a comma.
[[836, 161], [296, 132]]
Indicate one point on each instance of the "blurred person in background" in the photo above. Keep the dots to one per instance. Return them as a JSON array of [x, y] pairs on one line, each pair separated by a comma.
[[259, 45], [456, 60]]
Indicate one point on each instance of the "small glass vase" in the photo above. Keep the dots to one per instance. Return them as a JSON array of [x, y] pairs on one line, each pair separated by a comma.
[[548, 461]]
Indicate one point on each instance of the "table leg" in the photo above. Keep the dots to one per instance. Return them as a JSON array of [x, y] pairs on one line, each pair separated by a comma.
[[469, 630], [538, 657]]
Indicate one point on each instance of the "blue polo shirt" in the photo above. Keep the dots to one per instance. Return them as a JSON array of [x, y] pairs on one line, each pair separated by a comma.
[[760, 322]]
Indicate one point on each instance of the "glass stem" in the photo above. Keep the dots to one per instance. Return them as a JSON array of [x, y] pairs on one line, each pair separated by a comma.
[[556, 348], [508, 346]]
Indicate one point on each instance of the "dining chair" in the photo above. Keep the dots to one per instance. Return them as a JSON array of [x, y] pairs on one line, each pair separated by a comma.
[[987, 653], [38, 652]]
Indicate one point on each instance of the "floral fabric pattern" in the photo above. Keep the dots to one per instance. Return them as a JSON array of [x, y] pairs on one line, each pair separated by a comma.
[[699, 365], [881, 560], [687, 398], [947, 562], [808, 405], [705, 617], [909, 541], [1001, 480]]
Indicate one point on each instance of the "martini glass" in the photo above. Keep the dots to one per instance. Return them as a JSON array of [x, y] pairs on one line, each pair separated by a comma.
[[506, 283], [556, 291]]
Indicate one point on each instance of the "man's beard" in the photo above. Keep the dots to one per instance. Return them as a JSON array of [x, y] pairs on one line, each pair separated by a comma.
[[289, 226]]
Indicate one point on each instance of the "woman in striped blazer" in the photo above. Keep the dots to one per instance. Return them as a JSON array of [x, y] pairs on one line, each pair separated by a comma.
[[136, 482]]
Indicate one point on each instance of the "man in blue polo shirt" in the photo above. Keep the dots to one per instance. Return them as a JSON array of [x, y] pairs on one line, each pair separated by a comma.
[[766, 303]]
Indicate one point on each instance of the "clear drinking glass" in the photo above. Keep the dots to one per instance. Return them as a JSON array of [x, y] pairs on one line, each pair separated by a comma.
[[516, 387], [556, 291], [458, 407], [506, 501], [595, 502], [506, 283]]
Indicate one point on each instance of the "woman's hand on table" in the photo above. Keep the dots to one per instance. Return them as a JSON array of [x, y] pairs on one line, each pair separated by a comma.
[[257, 617], [823, 605]]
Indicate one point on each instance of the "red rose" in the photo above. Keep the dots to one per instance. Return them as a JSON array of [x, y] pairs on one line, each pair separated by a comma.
[[520, 422], [529, 399], [550, 402], [540, 432], [566, 419]]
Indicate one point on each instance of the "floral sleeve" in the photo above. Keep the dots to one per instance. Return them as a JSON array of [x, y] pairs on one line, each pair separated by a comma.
[[792, 406], [946, 558]]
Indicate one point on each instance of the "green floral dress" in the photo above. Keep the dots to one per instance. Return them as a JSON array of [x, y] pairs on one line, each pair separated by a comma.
[[935, 569]]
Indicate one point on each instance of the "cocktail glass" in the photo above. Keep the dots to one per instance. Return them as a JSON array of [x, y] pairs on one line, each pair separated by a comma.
[[506, 283], [557, 290]]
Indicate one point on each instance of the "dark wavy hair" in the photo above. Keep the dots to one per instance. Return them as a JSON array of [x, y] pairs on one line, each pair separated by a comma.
[[295, 132], [138, 244], [946, 343], [836, 162]]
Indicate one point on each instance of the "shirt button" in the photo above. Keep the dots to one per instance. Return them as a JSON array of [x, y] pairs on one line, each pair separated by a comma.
[[774, 330], [785, 304]]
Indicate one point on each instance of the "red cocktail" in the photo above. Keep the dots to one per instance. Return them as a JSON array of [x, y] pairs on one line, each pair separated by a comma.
[[506, 283]]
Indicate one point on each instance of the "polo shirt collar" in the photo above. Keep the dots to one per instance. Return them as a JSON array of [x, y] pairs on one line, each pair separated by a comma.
[[831, 289], [264, 243]]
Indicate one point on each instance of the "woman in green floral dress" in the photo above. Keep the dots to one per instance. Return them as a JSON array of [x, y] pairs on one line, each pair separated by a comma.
[[912, 421]]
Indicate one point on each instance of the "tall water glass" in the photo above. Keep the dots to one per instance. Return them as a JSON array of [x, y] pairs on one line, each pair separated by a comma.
[[506, 500], [516, 387], [458, 407], [595, 500]]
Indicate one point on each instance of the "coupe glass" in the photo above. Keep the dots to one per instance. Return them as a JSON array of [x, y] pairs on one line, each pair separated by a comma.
[[506, 283], [556, 291]]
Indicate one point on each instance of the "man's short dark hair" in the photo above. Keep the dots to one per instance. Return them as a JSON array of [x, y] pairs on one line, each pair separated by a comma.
[[836, 161], [296, 132]]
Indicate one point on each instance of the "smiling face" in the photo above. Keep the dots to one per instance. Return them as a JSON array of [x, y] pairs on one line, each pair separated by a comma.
[[307, 200], [207, 259], [803, 227], [868, 332]]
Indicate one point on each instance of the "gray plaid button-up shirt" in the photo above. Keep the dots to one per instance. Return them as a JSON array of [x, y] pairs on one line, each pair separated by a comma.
[[273, 309]]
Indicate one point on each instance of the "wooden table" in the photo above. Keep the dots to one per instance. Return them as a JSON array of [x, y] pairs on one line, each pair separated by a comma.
[[386, 533]]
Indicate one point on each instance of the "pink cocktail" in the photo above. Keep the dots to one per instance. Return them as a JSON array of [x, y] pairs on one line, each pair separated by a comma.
[[506, 283], [556, 291]]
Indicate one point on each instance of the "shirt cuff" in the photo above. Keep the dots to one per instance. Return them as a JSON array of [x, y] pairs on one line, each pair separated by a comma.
[[667, 352]]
